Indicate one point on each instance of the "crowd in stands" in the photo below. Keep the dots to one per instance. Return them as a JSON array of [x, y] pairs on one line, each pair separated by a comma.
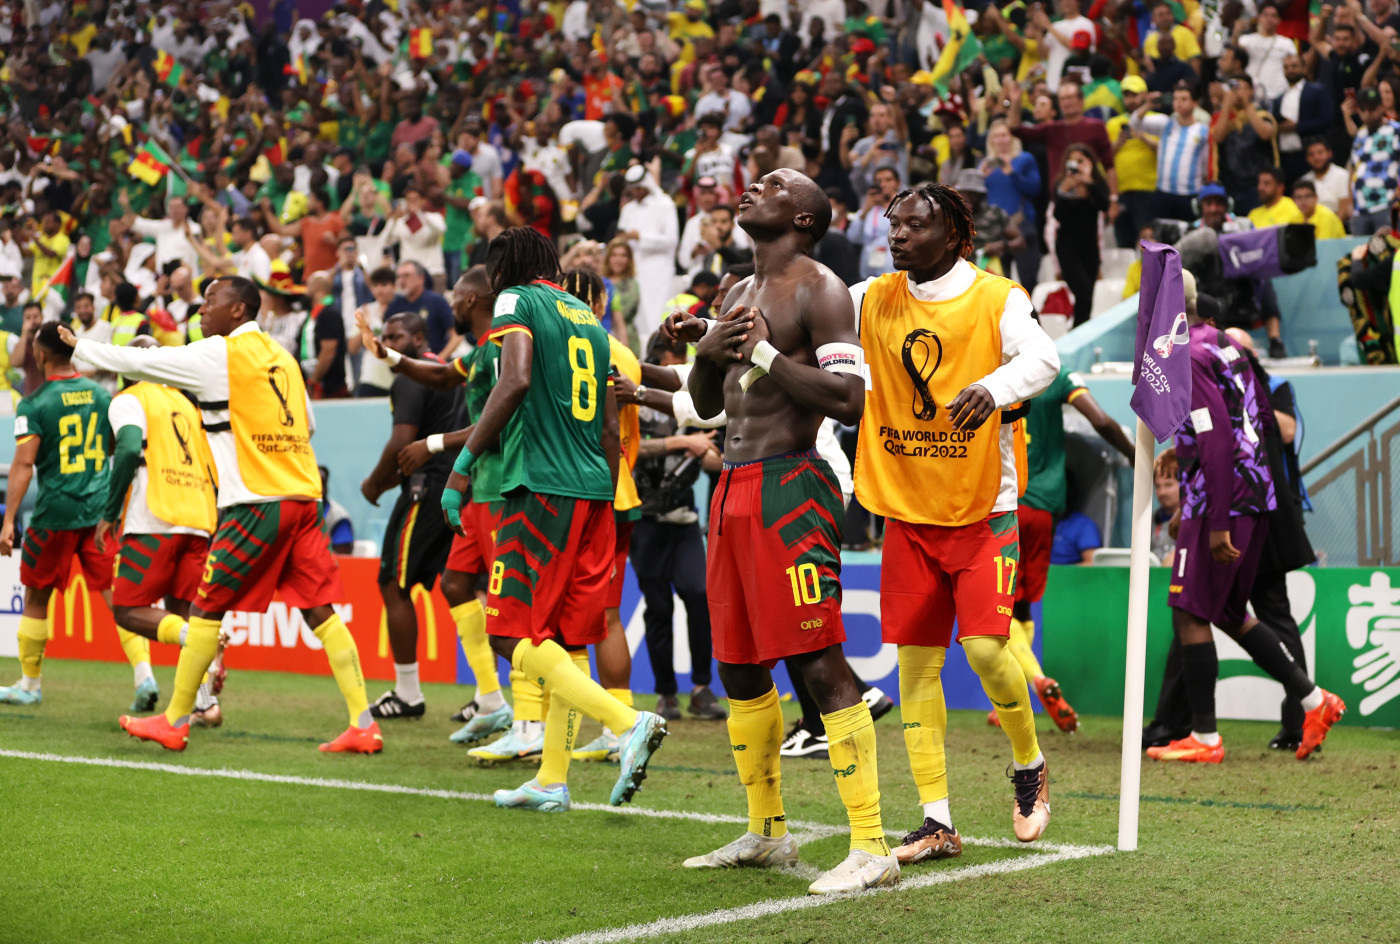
[[360, 159]]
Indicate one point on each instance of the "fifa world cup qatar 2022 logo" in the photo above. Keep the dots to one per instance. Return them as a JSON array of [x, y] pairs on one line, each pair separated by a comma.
[[281, 387], [1180, 334], [180, 424], [922, 354], [1150, 371]]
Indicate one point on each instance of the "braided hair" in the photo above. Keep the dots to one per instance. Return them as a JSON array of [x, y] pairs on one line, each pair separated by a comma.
[[956, 212], [519, 256], [585, 285]]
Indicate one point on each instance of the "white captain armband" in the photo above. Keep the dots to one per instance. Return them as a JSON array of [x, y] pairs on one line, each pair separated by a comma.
[[841, 358]]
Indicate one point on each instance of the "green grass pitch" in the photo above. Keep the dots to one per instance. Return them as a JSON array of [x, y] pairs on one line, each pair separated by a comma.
[[1261, 849]]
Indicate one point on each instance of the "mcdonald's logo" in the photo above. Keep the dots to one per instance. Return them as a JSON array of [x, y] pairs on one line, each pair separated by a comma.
[[77, 585], [427, 622]]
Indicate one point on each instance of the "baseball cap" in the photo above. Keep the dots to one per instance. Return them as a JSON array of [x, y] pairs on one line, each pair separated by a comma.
[[1134, 84], [971, 181], [862, 45], [1368, 98], [462, 159], [1083, 39], [1212, 189], [700, 5]]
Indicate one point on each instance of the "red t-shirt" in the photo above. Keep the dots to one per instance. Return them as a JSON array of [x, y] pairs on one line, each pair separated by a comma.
[[317, 253], [598, 95]]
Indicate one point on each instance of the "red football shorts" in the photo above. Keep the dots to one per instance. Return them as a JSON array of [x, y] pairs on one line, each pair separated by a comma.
[[930, 575], [472, 554], [773, 574], [552, 566], [1037, 535], [151, 567], [46, 557], [624, 540], [271, 547]]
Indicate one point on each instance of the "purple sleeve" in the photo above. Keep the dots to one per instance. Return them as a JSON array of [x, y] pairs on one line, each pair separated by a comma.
[[1215, 448]]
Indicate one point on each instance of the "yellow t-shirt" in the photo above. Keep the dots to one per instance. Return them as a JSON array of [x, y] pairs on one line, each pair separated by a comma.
[[1135, 162], [1284, 211], [629, 428], [1133, 283], [45, 265], [1327, 224], [1187, 48], [678, 27]]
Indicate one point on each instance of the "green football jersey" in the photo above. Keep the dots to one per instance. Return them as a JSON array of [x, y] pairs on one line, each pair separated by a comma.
[[551, 445], [69, 416], [481, 368], [1045, 444]]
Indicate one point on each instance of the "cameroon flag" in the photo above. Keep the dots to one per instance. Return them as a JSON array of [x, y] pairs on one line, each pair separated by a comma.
[[168, 70], [961, 50], [420, 44], [61, 281], [298, 69], [150, 165]]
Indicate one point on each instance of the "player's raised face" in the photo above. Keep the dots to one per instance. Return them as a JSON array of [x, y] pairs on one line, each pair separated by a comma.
[[768, 204], [920, 238]]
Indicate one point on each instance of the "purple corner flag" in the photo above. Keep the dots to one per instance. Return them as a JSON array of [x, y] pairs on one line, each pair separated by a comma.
[[1162, 394]]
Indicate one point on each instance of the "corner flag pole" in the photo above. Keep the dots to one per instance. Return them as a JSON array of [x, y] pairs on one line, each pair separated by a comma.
[[1130, 784]]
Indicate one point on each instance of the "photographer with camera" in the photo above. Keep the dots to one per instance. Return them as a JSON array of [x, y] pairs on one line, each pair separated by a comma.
[[1081, 199]]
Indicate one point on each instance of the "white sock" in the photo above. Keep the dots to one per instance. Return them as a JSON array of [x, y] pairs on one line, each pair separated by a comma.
[[530, 730], [27, 684], [406, 683], [1039, 759], [184, 632], [1312, 699], [938, 812], [608, 733], [143, 672], [490, 701], [1209, 740]]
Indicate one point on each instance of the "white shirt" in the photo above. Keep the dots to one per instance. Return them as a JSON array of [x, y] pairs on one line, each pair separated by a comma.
[[575, 25], [1266, 55], [732, 105], [202, 369], [487, 164], [690, 238], [1288, 107], [1029, 360], [100, 333], [1333, 187], [585, 133], [423, 246], [254, 263], [1057, 53], [126, 411], [654, 221], [171, 242]]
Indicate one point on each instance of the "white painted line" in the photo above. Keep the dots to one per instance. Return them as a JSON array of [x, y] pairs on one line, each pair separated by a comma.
[[775, 906]]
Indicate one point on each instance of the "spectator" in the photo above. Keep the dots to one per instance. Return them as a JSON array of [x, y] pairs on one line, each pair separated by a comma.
[[13, 295], [418, 232], [486, 160], [845, 114], [1165, 72], [1325, 223], [719, 234], [1081, 197], [375, 378], [648, 222], [1333, 184], [172, 234], [464, 187], [1164, 24], [1013, 182], [620, 272], [1060, 37], [732, 107], [870, 229], [319, 231], [693, 247], [1267, 51], [885, 145], [1167, 491], [1077, 537], [322, 345], [1375, 162], [835, 250], [1275, 208], [1181, 153], [1303, 110], [960, 155], [85, 324], [1134, 165], [1246, 139], [414, 295], [48, 247], [1058, 134]]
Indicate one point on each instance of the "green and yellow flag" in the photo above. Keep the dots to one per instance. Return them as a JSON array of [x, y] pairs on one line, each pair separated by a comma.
[[961, 50]]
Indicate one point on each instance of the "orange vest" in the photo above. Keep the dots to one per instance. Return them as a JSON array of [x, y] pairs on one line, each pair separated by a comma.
[[180, 478], [629, 428], [267, 415], [910, 462]]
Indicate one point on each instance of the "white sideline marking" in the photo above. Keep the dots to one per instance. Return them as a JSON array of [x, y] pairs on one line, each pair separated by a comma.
[[1042, 853], [801, 829], [774, 906]]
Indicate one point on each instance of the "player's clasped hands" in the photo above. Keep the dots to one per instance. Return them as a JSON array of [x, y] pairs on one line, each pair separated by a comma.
[[971, 407], [683, 326], [724, 342]]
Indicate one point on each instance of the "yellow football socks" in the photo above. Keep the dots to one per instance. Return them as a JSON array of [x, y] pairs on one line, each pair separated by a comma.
[[550, 664], [470, 619], [168, 631], [1022, 635], [925, 717], [528, 696], [623, 695], [137, 648], [1005, 685], [344, 658], [850, 734], [33, 636], [201, 646], [755, 735], [560, 732]]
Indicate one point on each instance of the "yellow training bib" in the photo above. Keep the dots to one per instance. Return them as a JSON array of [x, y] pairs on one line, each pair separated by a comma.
[[180, 479], [629, 428], [267, 415]]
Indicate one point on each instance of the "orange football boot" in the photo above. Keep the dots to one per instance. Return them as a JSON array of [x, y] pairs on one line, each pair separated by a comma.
[[1190, 751], [357, 741], [156, 728], [993, 718], [1055, 705], [1319, 721]]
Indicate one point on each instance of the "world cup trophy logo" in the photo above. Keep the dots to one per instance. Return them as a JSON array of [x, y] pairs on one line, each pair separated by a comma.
[[180, 424], [922, 355], [1179, 334], [281, 386]]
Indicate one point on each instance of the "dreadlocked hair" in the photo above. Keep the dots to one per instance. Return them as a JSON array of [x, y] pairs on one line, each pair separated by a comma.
[[519, 256], [585, 285], [955, 211]]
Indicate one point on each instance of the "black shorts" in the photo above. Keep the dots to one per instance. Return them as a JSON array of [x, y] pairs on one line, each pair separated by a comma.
[[416, 540]]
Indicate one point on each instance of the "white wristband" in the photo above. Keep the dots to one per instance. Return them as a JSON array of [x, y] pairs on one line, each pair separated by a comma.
[[392, 356], [435, 442], [763, 354]]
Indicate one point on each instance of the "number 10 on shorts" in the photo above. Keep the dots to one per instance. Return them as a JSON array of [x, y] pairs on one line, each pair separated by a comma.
[[806, 584]]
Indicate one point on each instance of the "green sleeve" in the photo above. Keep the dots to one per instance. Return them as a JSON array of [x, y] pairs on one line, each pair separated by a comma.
[[125, 461]]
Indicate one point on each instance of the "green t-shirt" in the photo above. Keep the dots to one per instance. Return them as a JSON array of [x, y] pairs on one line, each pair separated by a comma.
[[459, 222], [70, 418], [551, 445], [481, 368], [11, 318], [1045, 443], [377, 138]]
